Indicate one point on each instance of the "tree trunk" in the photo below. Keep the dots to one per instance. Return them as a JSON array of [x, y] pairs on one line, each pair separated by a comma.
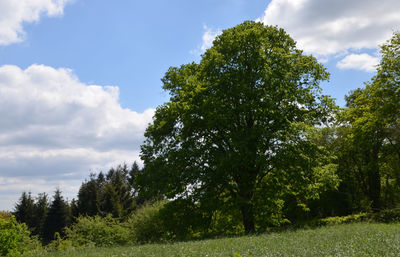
[[248, 217]]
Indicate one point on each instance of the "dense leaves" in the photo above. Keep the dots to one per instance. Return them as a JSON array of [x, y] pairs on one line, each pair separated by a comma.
[[14, 238], [234, 119], [373, 121]]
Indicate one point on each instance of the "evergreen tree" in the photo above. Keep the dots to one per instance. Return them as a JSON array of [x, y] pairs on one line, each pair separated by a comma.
[[74, 208], [132, 173], [24, 210], [110, 202], [88, 197], [40, 212], [57, 217]]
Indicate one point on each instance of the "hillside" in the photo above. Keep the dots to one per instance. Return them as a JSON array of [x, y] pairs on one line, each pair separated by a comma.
[[339, 240]]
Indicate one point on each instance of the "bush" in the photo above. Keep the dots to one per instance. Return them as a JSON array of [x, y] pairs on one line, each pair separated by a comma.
[[15, 239], [386, 216], [344, 219], [59, 244], [183, 220], [225, 223], [147, 224], [98, 231]]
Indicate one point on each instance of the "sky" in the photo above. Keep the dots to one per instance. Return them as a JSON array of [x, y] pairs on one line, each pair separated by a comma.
[[80, 79]]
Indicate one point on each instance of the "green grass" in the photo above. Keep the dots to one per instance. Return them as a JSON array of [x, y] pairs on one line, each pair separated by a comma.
[[339, 240]]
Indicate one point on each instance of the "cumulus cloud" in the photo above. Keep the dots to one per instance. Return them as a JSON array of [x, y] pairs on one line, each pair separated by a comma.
[[207, 39], [363, 62], [56, 128], [13, 13], [325, 27]]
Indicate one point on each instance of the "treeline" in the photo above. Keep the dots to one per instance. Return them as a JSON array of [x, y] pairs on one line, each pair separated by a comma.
[[112, 193]]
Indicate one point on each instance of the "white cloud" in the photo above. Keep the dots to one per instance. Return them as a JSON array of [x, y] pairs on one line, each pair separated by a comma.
[[326, 27], [13, 13], [207, 40], [58, 129], [363, 62]]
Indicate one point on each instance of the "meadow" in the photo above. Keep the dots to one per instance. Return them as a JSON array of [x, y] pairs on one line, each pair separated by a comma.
[[358, 239]]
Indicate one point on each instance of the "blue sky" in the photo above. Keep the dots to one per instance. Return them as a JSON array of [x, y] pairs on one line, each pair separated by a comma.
[[129, 44], [80, 79]]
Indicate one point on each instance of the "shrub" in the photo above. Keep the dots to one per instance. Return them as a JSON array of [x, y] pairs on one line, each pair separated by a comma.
[[336, 220], [345, 219], [59, 244], [386, 216], [183, 220], [147, 224], [97, 231], [15, 239], [225, 223]]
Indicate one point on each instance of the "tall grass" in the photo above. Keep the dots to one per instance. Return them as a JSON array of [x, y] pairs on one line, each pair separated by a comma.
[[338, 240]]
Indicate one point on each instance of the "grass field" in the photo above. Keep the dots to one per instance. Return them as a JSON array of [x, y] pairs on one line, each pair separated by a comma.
[[339, 240]]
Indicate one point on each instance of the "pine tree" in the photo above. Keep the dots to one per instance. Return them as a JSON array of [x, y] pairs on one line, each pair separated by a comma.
[[57, 217], [132, 173], [110, 202], [88, 197], [40, 212], [24, 210]]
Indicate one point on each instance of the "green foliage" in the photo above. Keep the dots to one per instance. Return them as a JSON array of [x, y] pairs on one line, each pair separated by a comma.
[[113, 193], [183, 220], [32, 212], [386, 216], [233, 119], [14, 238], [88, 197], [360, 217], [147, 225], [59, 244], [58, 217], [97, 231], [224, 222], [24, 210], [110, 201], [372, 141], [40, 213]]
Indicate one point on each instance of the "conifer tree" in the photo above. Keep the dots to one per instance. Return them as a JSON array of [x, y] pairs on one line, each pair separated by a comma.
[[88, 197], [40, 212], [57, 217], [24, 210]]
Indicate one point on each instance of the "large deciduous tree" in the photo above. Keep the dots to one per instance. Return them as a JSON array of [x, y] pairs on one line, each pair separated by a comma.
[[234, 119]]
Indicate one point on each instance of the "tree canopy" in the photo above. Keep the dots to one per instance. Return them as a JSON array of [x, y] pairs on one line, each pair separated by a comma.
[[373, 117], [234, 119]]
